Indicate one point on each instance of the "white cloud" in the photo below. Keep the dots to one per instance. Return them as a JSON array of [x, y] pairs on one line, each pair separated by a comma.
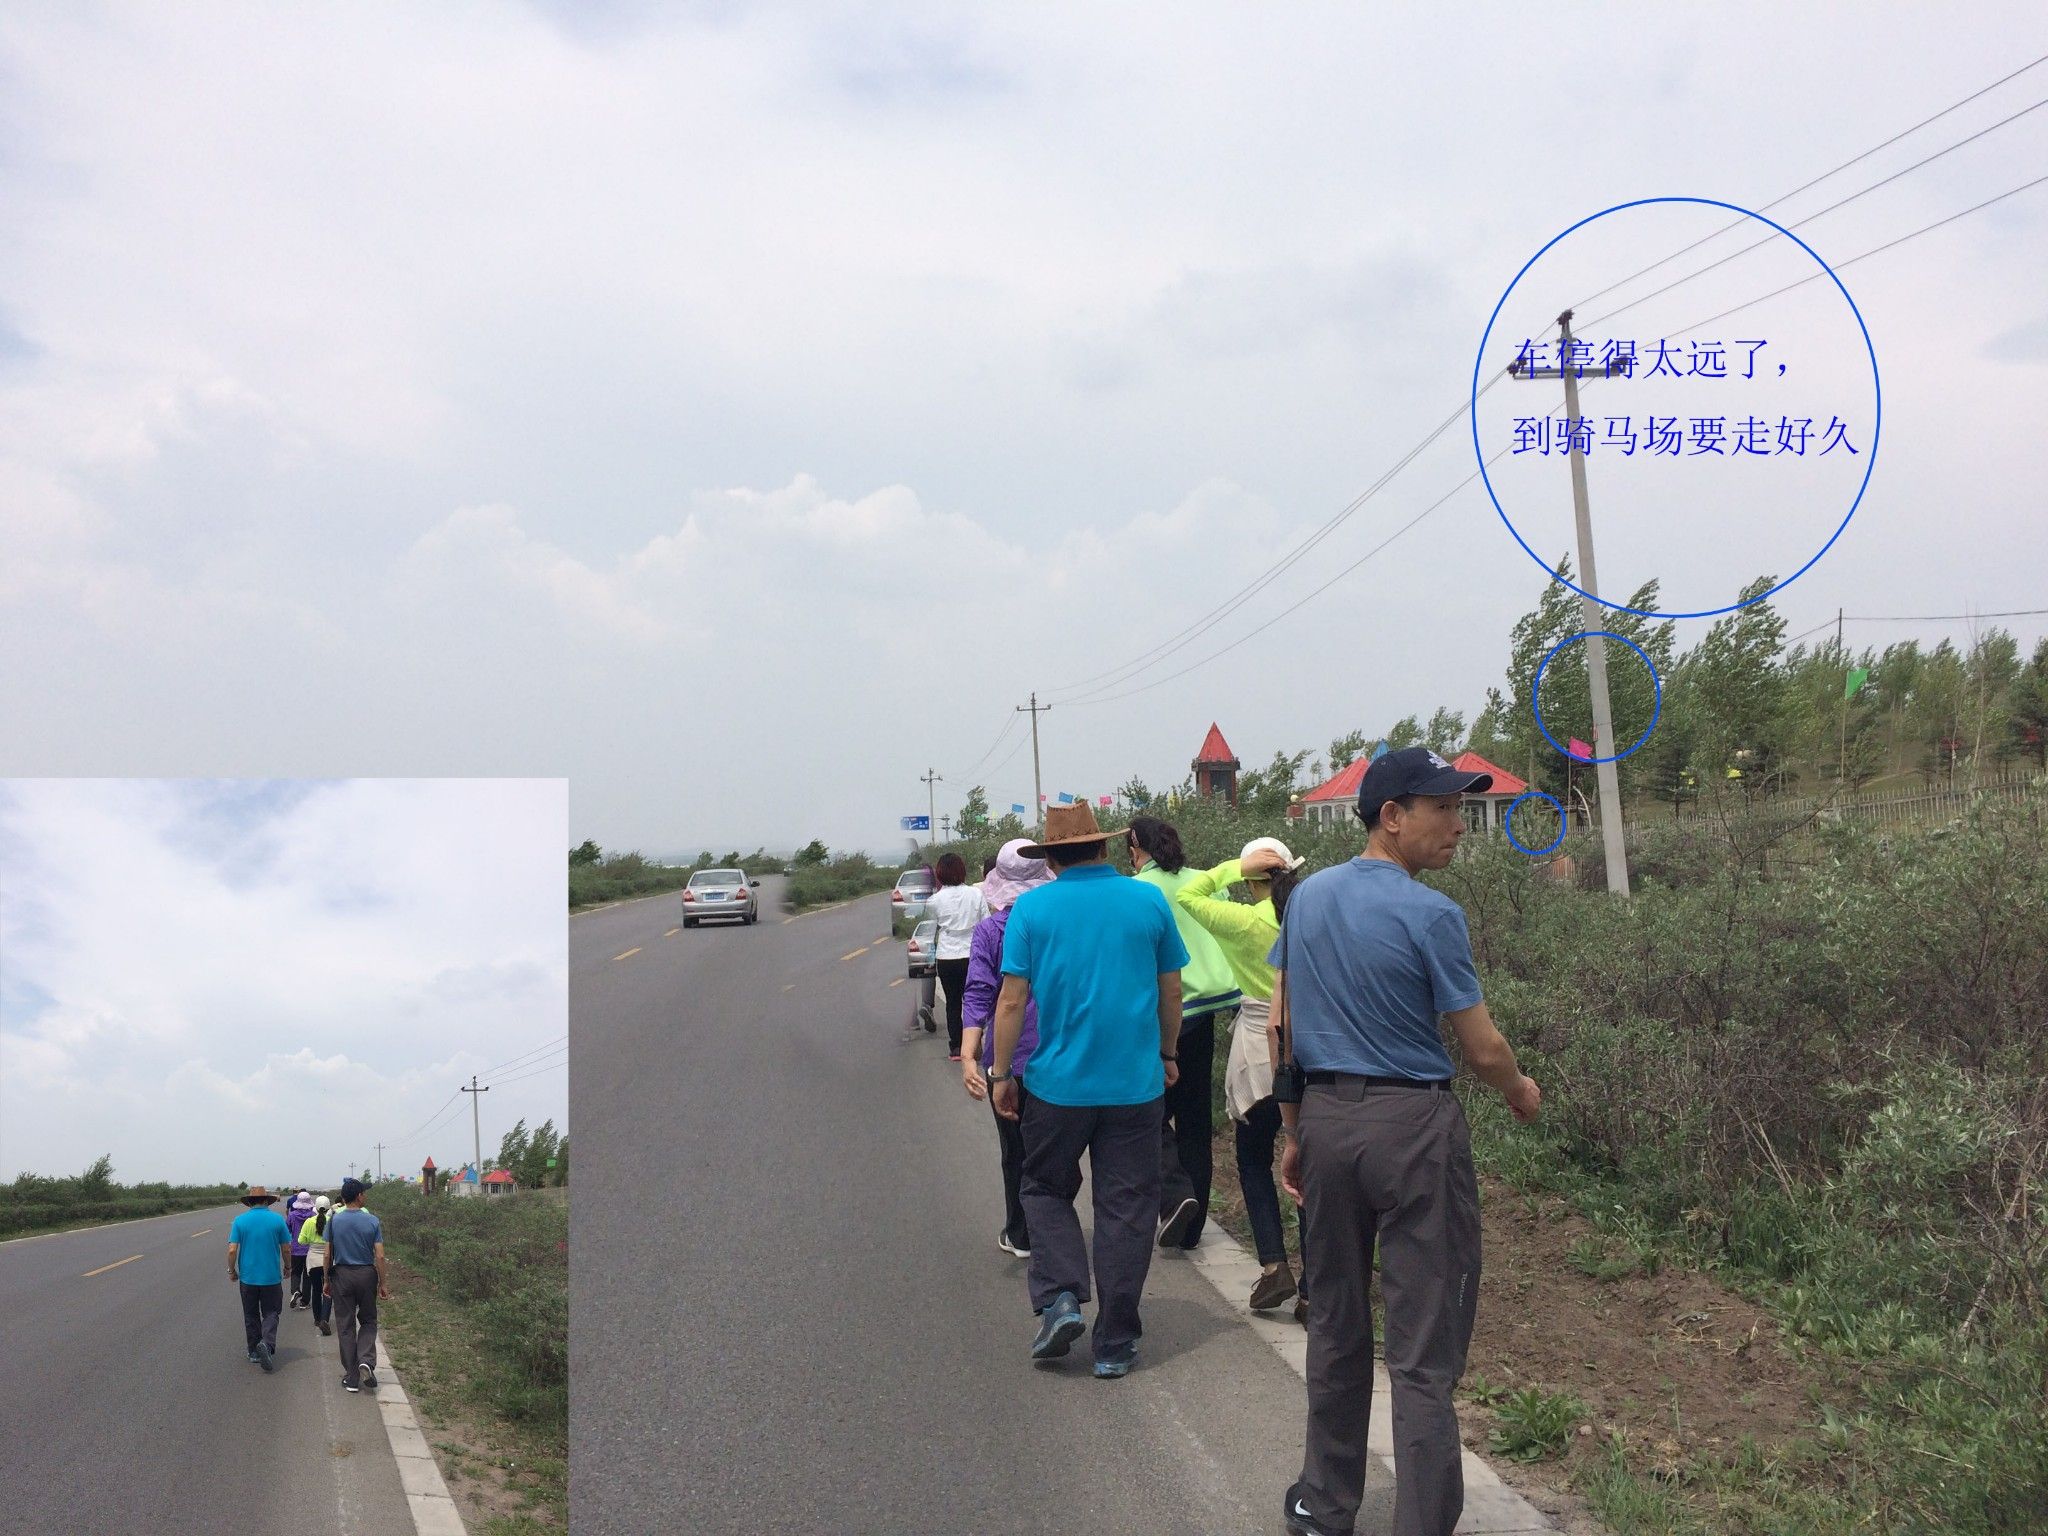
[[197, 975], [741, 410]]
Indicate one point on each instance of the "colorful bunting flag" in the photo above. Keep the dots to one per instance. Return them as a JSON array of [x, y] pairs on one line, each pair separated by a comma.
[[1580, 750], [1065, 798], [1858, 676], [1017, 808]]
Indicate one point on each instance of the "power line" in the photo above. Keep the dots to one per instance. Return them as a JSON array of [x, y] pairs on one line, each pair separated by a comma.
[[1938, 618], [536, 1050], [1863, 256], [1808, 186], [1802, 223], [538, 1062], [522, 1077], [415, 1136], [1115, 676], [1433, 506], [442, 1117]]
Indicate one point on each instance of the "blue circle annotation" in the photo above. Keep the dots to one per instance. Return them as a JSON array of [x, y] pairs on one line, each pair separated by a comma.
[[1656, 684], [1870, 459], [1508, 823]]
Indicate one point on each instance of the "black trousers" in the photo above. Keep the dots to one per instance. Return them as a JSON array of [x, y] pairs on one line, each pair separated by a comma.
[[1010, 1138], [298, 1278], [1121, 1142], [1186, 1155], [953, 976], [260, 1306]]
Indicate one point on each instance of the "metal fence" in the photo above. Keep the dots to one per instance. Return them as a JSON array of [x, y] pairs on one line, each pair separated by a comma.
[[1918, 807]]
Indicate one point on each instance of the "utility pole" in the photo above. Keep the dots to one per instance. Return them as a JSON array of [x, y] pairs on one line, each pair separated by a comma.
[[931, 803], [1037, 781], [946, 826], [476, 1128], [351, 1170], [380, 1162], [1592, 619]]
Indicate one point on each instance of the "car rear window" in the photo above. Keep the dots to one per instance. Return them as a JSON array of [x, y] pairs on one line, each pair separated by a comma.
[[913, 879], [710, 877]]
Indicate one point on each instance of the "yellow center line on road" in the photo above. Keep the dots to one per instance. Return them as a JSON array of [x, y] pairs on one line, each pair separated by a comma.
[[672, 933], [202, 1232], [105, 1267], [629, 954]]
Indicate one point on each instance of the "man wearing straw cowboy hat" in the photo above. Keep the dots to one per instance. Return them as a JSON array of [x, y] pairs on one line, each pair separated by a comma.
[[1101, 956], [259, 1252]]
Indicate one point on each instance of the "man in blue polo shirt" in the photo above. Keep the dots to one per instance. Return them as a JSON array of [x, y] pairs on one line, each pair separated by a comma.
[[259, 1251], [1102, 956], [1369, 961]]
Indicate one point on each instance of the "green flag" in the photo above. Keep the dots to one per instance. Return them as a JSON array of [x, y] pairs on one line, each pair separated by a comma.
[[1858, 676]]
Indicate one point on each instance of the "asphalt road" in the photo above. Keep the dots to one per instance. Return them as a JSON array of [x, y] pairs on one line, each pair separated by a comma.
[[127, 1401], [788, 1311]]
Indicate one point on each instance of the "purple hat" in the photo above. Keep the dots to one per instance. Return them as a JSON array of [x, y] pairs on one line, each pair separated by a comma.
[[1013, 875]]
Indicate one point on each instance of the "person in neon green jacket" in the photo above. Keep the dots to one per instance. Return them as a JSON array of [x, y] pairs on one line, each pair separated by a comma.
[[1245, 932], [1208, 993]]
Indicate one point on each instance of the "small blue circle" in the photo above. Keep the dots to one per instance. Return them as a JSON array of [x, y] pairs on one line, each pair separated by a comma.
[[1508, 823], [1656, 683], [1870, 459]]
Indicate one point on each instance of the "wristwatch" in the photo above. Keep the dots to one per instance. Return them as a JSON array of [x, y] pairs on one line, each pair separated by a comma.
[[1000, 1077], [1169, 1055]]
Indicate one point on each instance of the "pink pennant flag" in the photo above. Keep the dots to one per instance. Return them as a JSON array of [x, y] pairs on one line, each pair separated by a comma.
[[1580, 750], [1106, 800]]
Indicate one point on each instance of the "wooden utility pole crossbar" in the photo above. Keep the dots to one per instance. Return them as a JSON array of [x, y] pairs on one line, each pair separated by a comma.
[[1591, 619]]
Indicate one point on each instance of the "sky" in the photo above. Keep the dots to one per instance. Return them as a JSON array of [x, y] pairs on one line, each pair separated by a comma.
[[259, 980], [740, 411]]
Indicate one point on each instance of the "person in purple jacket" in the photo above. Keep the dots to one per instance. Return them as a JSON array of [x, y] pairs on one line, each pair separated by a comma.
[[295, 1216], [1012, 876]]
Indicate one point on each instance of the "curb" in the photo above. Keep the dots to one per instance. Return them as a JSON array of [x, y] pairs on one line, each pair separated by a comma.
[[1491, 1507], [426, 1495]]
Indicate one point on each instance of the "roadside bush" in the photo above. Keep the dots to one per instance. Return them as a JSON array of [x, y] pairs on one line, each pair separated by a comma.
[[503, 1261], [33, 1202], [841, 879]]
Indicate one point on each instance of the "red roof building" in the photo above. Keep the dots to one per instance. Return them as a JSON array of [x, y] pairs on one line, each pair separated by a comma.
[[499, 1182], [1332, 803], [1215, 767]]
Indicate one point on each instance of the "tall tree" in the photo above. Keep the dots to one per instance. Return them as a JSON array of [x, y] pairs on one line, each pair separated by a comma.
[[1346, 750], [973, 818], [585, 852], [1445, 731], [1742, 692]]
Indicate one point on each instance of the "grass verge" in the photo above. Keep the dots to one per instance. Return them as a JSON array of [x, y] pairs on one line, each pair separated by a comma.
[[480, 1324]]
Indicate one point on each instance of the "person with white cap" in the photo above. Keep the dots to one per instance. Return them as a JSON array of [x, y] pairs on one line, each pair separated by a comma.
[[1245, 932], [1371, 963], [1101, 956], [1011, 876], [313, 1233]]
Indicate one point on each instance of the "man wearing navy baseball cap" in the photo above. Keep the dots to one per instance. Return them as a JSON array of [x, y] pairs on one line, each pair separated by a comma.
[[1378, 1152]]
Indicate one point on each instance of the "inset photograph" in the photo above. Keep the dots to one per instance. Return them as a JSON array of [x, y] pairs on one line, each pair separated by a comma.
[[284, 1156]]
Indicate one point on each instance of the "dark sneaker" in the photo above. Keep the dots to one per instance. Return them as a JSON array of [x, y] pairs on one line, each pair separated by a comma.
[[1301, 1310], [369, 1378], [326, 1329], [264, 1359], [1173, 1230], [349, 1386], [1059, 1325], [1013, 1247], [1300, 1522], [1118, 1364], [1272, 1289], [254, 1358]]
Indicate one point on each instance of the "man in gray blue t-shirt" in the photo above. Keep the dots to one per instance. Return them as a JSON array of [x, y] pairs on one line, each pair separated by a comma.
[[1378, 1152], [356, 1282]]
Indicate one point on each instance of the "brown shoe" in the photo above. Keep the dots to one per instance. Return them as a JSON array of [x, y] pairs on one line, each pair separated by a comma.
[[1301, 1310], [1272, 1288]]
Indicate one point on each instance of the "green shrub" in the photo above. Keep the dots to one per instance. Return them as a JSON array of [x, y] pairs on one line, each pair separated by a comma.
[[1534, 1423]]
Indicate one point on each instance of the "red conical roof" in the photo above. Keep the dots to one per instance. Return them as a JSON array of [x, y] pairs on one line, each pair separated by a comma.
[[1214, 748], [428, 1163]]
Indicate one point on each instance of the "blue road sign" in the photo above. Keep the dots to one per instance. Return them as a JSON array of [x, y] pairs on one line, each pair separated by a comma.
[[917, 823]]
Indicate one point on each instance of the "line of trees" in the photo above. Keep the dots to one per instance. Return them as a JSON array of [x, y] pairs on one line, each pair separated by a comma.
[[33, 1201]]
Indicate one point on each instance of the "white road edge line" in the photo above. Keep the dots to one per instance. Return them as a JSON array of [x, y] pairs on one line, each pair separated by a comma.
[[426, 1495], [1490, 1505], [105, 1226]]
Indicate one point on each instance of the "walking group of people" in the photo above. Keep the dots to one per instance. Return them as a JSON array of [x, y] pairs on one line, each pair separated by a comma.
[[313, 1257], [1085, 1007]]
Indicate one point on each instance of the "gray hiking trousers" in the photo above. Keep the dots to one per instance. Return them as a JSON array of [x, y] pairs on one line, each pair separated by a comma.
[[1391, 1166]]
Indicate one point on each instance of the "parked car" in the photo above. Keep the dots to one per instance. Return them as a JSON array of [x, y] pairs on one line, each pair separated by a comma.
[[922, 953], [906, 902], [720, 893]]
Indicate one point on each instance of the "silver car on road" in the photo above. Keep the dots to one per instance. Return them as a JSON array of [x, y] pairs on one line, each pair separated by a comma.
[[721, 893], [906, 902]]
